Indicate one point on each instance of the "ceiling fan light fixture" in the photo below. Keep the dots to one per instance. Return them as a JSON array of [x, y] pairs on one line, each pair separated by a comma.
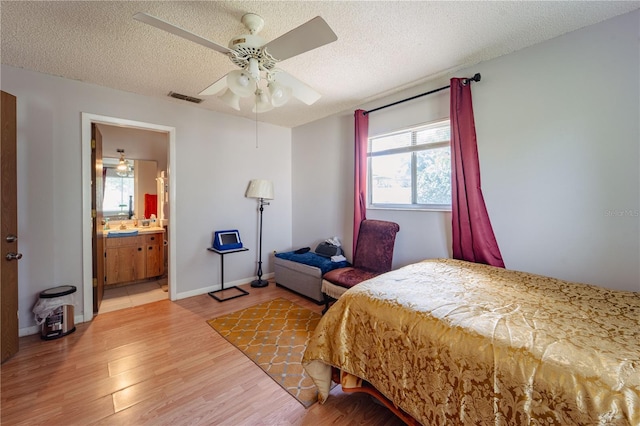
[[254, 56], [262, 102], [280, 94], [231, 99], [240, 83]]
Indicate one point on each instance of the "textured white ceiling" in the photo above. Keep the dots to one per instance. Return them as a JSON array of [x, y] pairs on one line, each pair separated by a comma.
[[382, 46]]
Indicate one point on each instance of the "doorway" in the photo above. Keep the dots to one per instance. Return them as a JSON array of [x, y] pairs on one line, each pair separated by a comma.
[[89, 120]]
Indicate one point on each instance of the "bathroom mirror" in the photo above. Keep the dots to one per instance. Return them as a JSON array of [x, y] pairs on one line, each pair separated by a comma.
[[124, 195]]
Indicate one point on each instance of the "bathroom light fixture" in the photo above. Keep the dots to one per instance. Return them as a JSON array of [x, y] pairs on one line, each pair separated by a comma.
[[262, 190], [124, 167]]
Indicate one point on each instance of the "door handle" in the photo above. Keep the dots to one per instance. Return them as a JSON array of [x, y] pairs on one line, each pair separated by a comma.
[[13, 256], [11, 238]]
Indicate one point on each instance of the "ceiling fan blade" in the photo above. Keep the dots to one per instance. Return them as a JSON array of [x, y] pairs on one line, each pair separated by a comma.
[[300, 90], [308, 36], [170, 28], [215, 88]]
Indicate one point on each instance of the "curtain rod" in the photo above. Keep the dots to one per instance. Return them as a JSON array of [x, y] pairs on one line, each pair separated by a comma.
[[465, 81]]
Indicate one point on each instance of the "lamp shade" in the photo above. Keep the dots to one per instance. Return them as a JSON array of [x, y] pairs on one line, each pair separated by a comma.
[[240, 83], [262, 102], [231, 99], [260, 188], [280, 94], [123, 168]]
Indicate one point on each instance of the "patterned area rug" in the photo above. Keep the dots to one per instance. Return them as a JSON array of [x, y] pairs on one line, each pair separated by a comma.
[[274, 335]]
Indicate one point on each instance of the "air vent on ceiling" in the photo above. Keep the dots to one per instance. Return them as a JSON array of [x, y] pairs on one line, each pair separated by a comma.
[[185, 97]]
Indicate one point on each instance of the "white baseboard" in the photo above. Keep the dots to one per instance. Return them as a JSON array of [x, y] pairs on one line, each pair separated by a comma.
[[199, 291]]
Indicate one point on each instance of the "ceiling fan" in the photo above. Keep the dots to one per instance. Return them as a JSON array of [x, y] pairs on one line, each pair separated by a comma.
[[258, 60]]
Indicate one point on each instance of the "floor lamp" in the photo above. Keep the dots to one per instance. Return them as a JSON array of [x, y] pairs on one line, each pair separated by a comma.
[[262, 190]]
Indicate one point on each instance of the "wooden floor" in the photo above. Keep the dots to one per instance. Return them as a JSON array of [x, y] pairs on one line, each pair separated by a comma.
[[161, 364]]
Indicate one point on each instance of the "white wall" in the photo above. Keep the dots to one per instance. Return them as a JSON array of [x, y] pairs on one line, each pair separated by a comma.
[[215, 157], [138, 144], [323, 182], [558, 140]]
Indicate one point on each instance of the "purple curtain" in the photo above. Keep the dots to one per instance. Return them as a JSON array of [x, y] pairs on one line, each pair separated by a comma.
[[360, 175], [473, 237]]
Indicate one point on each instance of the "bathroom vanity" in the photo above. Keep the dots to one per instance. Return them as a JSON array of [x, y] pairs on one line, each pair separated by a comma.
[[134, 258]]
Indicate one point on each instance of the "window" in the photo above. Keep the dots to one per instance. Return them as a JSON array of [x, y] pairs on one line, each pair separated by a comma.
[[411, 168], [118, 193]]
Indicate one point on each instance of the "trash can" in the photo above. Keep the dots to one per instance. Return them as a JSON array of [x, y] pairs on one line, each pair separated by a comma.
[[54, 311]]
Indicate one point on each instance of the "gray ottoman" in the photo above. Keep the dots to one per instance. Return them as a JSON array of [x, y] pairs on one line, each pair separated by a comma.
[[302, 273]]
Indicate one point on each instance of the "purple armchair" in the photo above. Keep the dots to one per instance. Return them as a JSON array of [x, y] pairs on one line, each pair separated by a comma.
[[373, 256]]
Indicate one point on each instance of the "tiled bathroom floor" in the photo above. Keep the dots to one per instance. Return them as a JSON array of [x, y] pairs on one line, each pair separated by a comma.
[[133, 295]]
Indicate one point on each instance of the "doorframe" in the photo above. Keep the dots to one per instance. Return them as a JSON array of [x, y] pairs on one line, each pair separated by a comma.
[[87, 267]]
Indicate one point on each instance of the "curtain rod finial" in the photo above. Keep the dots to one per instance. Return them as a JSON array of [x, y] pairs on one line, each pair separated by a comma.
[[466, 81]]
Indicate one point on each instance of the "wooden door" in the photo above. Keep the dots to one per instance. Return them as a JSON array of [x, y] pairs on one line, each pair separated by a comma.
[[97, 194], [121, 263], [140, 260], [125, 260], [9, 230], [155, 255]]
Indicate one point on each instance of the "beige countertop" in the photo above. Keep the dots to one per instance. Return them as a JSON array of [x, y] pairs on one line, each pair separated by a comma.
[[141, 230]]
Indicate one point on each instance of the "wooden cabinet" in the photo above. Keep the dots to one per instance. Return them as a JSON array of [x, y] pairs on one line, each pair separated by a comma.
[[155, 255], [129, 259]]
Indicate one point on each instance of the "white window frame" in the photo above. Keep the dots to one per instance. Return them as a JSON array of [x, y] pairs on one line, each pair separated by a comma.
[[413, 149]]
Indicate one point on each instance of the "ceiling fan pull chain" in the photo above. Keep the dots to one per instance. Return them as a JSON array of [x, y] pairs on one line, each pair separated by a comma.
[[256, 117]]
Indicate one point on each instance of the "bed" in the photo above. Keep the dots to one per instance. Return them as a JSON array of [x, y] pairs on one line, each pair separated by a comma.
[[447, 342]]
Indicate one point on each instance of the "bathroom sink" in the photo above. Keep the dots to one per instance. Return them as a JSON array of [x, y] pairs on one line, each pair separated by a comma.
[[147, 229], [129, 232], [121, 232]]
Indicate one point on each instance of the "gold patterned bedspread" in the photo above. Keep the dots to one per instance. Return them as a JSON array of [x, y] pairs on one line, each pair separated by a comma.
[[453, 342]]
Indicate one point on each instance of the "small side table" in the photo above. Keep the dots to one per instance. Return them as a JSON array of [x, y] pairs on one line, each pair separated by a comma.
[[241, 292]]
